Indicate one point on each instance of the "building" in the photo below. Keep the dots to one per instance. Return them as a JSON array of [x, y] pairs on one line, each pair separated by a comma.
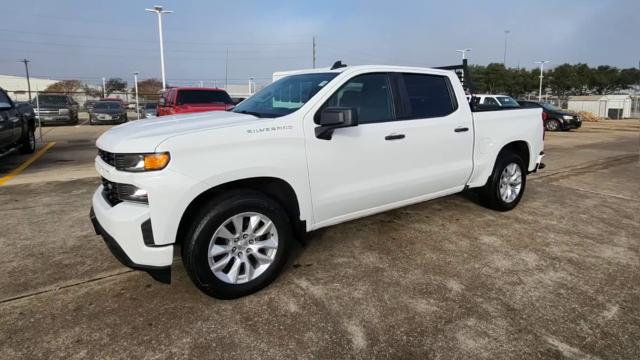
[[17, 87], [611, 106]]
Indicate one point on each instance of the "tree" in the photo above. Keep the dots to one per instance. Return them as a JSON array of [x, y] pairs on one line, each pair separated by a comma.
[[92, 91], [115, 85], [149, 89], [65, 86]]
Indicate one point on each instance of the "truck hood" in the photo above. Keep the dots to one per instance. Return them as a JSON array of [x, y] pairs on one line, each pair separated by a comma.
[[145, 135]]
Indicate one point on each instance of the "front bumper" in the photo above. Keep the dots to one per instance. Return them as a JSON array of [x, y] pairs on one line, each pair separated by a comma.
[[55, 118], [572, 124], [124, 228]]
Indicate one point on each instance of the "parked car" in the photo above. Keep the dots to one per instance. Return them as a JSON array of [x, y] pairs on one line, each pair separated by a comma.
[[55, 109], [502, 101], [314, 149], [555, 119], [183, 100], [17, 125], [150, 109], [108, 112]]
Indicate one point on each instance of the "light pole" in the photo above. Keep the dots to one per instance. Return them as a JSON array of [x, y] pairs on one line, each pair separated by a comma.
[[104, 89], [135, 81], [542, 62], [158, 10], [463, 52], [26, 68], [504, 58]]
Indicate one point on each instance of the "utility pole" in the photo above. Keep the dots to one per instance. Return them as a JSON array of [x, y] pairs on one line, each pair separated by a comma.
[[504, 58], [542, 62], [135, 80], [104, 89], [226, 70], [314, 52], [26, 68], [159, 10]]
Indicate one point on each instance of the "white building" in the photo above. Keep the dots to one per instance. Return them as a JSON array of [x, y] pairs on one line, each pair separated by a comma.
[[17, 87], [611, 106]]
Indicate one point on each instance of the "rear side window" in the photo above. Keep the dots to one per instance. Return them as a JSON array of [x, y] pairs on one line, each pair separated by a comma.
[[202, 97], [428, 96], [490, 101]]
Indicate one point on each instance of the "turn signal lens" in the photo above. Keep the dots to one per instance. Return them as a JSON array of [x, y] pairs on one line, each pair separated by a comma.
[[156, 161]]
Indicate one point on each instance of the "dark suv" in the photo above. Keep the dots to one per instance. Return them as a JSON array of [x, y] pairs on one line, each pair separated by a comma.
[[17, 126], [56, 109], [555, 119]]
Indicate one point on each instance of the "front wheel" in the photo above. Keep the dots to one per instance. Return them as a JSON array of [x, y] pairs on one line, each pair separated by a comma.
[[237, 244], [506, 184], [552, 125]]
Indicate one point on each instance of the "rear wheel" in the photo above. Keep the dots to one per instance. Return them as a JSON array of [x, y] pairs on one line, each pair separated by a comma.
[[28, 144], [237, 244], [552, 125], [506, 184]]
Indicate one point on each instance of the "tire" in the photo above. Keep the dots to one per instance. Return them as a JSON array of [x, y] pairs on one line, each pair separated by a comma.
[[28, 144], [497, 194], [251, 275], [552, 125]]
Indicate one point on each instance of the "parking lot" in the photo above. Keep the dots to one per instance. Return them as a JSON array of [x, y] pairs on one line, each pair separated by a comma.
[[555, 278]]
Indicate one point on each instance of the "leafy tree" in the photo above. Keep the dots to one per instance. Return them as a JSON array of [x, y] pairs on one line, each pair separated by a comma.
[[149, 89], [65, 86], [115, 85], [92, 91]]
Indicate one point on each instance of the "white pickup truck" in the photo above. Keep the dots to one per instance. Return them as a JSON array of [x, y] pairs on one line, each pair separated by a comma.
[[316, 148]]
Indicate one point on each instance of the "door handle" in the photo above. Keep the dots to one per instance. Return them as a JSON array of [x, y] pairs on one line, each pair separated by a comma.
[[461, 129], [394, 137]]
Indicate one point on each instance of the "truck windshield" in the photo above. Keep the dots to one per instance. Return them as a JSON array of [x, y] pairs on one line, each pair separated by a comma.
[[285, 95], [202, 97]]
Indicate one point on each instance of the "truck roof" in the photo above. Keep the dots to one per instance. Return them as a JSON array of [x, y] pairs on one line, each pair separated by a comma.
[[280, 74]]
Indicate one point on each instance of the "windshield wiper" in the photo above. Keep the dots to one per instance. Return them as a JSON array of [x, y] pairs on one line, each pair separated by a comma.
[[254, 113]]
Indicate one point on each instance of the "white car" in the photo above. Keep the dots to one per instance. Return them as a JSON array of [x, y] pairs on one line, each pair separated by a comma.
[[496, 100], [321, 147]]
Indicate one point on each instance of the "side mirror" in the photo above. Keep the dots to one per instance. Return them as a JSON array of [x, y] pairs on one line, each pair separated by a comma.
[[5, 106], [332, 118]]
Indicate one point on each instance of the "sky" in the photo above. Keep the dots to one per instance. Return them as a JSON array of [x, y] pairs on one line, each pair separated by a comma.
[[88, 40]]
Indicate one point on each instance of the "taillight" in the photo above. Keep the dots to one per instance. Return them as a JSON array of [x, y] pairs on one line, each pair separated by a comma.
[[544, 127]]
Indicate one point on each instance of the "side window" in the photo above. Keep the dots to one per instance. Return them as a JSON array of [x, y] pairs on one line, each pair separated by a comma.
[[428, 96], [490, 101], [369, 94], [4, 98]]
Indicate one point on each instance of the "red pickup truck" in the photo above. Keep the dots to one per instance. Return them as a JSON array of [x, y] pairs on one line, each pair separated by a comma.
[[182, 100]]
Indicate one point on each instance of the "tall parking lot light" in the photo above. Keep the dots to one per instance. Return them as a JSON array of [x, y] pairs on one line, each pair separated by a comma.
[[158, 10], [542, 62], [135, 81], [104, 89], [464, 56]]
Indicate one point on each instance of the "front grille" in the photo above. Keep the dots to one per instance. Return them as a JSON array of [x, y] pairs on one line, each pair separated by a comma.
[[114, 192]]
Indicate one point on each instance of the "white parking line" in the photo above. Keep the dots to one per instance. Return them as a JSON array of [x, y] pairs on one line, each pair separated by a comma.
[[82, 123]]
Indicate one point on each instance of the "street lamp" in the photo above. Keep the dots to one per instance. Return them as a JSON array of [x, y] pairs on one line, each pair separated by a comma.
[[542, 62], [158, 10], [135, 81], [504, 58], [463, 52], [104, 89]]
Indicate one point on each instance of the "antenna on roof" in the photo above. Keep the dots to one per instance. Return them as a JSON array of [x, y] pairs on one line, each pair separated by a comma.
[[337, 65]]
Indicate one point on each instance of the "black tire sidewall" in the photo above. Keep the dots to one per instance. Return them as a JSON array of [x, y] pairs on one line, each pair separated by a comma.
[[27, 147], [195, 246]]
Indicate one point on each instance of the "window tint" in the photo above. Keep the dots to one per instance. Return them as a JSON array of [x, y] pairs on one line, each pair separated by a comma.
[[428, 96], [490, 101], [4, 98], [202, 97], [369, 94], [507, 101]]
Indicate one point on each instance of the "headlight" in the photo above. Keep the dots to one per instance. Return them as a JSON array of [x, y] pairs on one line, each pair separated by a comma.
[[142, 162], [567, 117], [63, 111]]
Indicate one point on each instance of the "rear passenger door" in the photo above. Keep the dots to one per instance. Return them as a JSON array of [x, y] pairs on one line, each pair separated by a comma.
[[439, 133]]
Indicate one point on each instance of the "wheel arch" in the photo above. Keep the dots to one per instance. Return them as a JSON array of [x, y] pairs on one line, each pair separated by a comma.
[[520, 148], [276, 188]]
